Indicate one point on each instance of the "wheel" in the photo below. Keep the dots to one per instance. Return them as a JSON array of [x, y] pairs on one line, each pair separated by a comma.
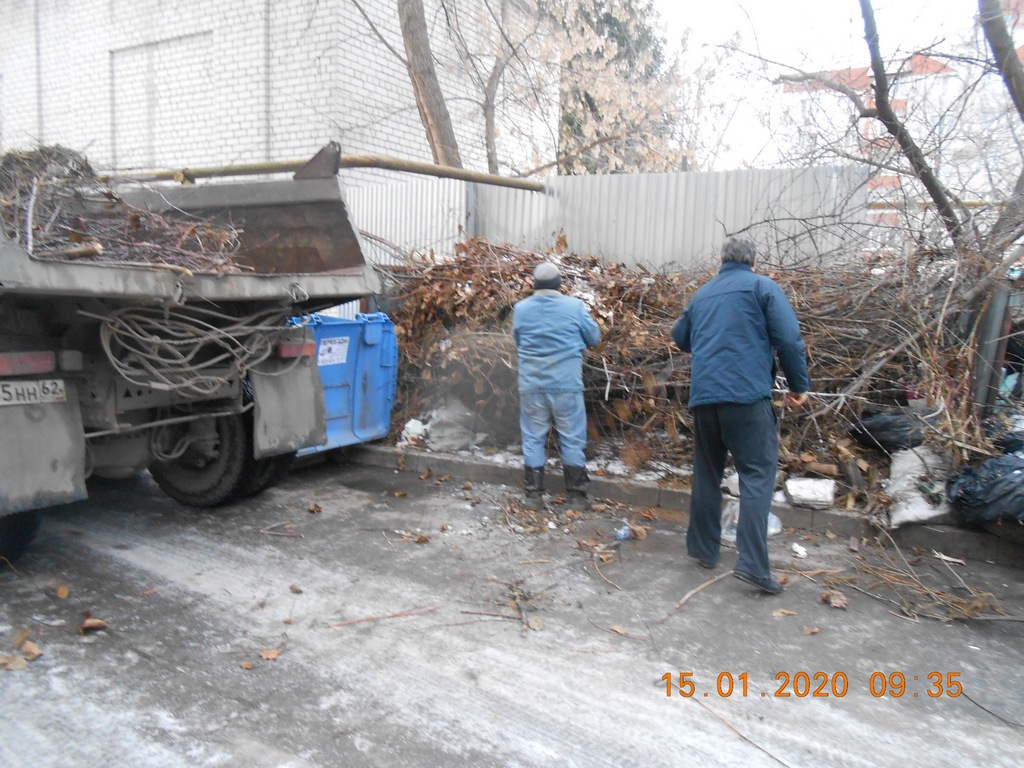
[[16, 532], [210, 469], [260, 474]]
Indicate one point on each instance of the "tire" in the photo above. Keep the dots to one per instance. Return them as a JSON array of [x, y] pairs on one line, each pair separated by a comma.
[[260, 474], [16, 532], [207, 478]]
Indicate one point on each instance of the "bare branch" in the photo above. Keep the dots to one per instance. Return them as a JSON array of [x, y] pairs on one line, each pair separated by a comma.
[[377, 32], [896, 128]]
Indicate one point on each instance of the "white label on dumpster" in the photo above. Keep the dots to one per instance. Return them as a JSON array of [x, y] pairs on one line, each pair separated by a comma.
[[332, 351]]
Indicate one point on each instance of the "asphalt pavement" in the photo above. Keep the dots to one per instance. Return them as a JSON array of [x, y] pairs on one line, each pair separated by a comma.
[[402, 609]]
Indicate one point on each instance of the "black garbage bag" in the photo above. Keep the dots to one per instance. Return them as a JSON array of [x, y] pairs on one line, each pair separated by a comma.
[[1006, 430], [891, 430], [991, 493]]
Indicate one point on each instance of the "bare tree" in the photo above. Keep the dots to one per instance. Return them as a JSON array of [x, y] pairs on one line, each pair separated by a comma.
[[898, 130], [578, 85], [429, 99]]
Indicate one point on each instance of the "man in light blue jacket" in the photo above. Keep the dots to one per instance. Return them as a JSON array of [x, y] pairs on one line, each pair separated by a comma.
[[551, 331], [734, 327]]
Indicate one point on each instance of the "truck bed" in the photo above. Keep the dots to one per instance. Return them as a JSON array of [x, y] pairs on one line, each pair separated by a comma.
[[297, 245]]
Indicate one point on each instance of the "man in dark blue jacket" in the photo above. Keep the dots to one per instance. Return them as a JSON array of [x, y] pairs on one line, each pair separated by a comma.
[[734, 326]]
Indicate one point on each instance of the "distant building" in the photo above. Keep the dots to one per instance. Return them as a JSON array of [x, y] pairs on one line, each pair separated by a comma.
[[965, 124]]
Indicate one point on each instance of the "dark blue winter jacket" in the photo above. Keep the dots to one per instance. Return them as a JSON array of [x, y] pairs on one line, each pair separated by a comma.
[[733, 327]]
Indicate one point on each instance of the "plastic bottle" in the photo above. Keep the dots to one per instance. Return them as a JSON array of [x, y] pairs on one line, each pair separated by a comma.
[[625, 532]]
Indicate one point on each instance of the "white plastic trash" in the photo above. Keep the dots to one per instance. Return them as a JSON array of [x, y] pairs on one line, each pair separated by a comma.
[[731, 516]]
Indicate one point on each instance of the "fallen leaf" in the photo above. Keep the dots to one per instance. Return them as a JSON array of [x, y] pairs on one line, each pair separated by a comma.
[[92, 625], [834, 599], [854, 544], [601, 472], [781, 612], [425, 474], [422, 539], [149, 592], [812, 630], [31, 650], [271, 654], [588, 545], [619, 629], [400, 494], [13, 663], [467, 486], [246, 665], [829, 535], [289, 621], [443, 527], [599, 508], [315, 509], [535, 623], [296, 589], [605, 556], [442, 479], [20, 637], [63, 591], [639, 531]]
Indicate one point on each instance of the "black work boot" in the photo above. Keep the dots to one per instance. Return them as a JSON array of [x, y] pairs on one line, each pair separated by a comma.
[[576, 482], [533, 488]]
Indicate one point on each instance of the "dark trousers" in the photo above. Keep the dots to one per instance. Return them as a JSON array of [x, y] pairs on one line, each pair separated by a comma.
[[749, 433]]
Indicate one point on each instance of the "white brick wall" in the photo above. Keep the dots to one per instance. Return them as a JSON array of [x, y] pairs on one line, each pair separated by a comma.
[[158, 83]]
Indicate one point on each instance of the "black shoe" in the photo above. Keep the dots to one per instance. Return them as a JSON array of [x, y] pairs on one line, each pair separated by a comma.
[[769, 585], [707, 564]]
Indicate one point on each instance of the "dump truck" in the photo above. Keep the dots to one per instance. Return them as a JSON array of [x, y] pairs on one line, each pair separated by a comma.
[[208, 379]]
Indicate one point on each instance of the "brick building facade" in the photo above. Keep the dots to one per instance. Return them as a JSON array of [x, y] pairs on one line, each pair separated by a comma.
[[173, 83]]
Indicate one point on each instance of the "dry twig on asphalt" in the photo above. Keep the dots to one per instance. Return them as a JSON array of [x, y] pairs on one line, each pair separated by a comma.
[[399, 615]]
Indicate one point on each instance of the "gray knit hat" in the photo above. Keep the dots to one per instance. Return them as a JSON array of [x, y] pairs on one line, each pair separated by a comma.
[[547, 275]]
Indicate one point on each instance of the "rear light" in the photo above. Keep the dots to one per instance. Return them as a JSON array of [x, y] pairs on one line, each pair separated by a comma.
[[27, 363], [292, 349]]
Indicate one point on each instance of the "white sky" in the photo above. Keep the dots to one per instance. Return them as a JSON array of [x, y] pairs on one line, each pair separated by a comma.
[[816, 34], [811, 35]]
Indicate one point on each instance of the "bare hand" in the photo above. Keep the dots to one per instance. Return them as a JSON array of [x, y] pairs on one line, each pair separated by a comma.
[[796, 399]]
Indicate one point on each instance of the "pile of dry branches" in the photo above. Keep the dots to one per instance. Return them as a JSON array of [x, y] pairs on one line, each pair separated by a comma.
[[866, 333], [55, 207]]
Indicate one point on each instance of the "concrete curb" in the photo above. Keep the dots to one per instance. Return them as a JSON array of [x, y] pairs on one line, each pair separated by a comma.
[[949, 540]]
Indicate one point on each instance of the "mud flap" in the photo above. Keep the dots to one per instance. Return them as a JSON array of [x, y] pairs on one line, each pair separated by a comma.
[[289, 409], [42, 455]]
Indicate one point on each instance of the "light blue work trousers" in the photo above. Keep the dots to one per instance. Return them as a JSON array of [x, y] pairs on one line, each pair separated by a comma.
[[538, 411]]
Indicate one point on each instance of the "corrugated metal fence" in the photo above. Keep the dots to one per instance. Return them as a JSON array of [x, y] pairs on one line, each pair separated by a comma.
[[663, 221]]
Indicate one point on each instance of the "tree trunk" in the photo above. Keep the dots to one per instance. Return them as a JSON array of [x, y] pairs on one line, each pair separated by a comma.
[[490, 129], [994, 25], [429, 99], [898, 130]]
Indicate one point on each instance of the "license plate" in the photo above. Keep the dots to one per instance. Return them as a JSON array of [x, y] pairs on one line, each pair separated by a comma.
[[32, 391]]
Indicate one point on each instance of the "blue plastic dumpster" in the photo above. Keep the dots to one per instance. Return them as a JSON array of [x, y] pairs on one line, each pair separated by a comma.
[[358, 362]]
